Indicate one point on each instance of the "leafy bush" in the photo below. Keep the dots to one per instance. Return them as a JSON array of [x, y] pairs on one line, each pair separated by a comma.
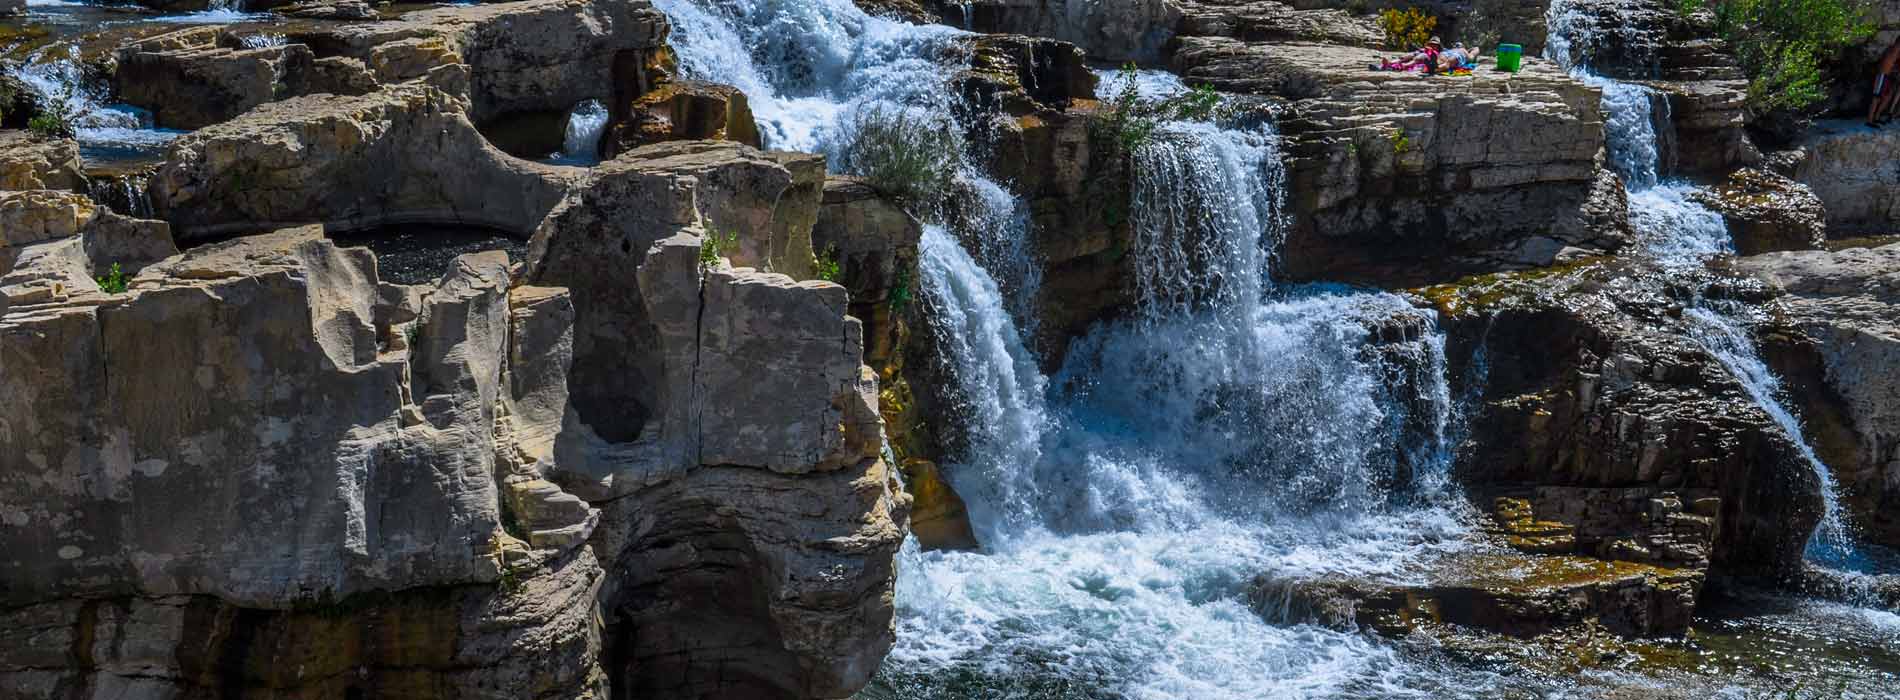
[[714, 247], [1406, 29], [900, 290], [51, 123], [1130, 121], [827, 264], [904, 153], [113, 282], [1783, 43]]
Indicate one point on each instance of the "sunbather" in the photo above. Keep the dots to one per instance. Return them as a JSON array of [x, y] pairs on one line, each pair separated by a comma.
[[1458, 58], [1425, 58]]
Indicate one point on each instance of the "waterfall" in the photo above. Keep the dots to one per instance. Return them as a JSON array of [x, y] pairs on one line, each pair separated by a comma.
[[105, 131], [1000, 389], [580, 144], [1677, 232], [1725, 338], [1229, 429], [125, 193]]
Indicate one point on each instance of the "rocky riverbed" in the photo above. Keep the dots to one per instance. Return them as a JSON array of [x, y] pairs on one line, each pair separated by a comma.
[[912, 349]]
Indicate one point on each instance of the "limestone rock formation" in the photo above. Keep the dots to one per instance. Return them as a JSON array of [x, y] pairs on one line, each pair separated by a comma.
[[31, 162], [536, 55], [1590, 381], [1125, 30], [1398, 179], [193, 87], [352, 162], [1851, 169], [1279, 22], [1766, 212], [679, 111], [721, 418], [1843, 308]]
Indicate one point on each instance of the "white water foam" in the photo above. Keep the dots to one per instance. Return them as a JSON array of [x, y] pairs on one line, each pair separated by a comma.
[[100, 126], [580, 142]]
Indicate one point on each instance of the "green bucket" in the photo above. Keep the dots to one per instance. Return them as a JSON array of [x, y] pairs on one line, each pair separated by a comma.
[[1510, 56]]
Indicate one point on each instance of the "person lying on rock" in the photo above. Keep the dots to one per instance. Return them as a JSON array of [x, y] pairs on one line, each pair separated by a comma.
[[1458, 58], [1425, 58], [1886, 92]]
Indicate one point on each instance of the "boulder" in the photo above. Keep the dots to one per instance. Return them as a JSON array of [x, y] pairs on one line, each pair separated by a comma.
[[683, 110], [1850, 167], [190, 88], [352, 162], [1593, 397], [531, 56], [30, 162], [1398, 179], [1766, 212], [1843, 344]]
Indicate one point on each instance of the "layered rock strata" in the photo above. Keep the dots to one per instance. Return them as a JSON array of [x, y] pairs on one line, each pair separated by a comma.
[[1399, 179], [1590, 380]]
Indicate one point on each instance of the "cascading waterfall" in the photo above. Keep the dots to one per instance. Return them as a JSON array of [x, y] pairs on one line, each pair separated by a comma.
[[1726, 339], [1126, 503], [1222, 433], [1677, 232]]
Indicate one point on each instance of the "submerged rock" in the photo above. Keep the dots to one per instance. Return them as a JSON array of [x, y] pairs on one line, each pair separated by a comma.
[[1503, 593]]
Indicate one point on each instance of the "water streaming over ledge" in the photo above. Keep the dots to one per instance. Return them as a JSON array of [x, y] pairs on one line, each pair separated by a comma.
[[1678, 232], [1228, 429]]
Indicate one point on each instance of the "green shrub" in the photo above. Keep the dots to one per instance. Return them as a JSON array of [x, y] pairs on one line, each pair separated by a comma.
[[714, 247], [1130, 122], [1406, 29], [113, 282], [904, 153], [51, 123], [900, 290], [1400, 142], [1782, 44], [827, 264]]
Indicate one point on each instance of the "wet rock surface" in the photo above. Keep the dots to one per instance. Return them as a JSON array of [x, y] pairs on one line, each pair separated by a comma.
[[1766, 212], [1588, 382], [1842, 308]]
